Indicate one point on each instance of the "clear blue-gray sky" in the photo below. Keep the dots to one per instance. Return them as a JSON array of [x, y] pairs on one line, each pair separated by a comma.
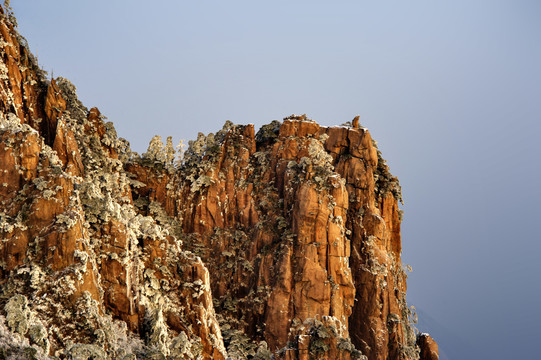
[[450, 89]]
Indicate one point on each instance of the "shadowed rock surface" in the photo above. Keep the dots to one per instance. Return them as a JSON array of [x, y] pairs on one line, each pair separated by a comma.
[[283, 243]]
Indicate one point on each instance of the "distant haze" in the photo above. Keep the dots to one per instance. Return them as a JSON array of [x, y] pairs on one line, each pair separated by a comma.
[[451, 91]]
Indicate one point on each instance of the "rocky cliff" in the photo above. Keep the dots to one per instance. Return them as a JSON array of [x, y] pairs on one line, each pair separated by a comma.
[[282, 243]]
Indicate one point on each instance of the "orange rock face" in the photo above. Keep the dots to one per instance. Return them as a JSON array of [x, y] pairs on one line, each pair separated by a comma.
[[428, 347], [273, 238], [295, 226], [92, 276], [283, 243]]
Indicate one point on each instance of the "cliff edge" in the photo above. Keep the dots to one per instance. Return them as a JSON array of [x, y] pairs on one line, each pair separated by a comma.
[[278, 244]]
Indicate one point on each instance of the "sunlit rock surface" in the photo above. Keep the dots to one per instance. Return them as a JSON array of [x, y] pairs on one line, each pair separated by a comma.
[[278, 243]]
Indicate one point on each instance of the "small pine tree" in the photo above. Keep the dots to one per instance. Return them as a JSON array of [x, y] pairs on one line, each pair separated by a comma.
[[169, 152], [155, 150], [180, 151]]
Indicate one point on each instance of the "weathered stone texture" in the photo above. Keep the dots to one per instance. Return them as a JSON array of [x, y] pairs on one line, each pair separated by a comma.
[[284, 243]]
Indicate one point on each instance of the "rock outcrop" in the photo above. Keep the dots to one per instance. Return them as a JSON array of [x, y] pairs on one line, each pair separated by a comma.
[[428, 347], [282, 244]]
